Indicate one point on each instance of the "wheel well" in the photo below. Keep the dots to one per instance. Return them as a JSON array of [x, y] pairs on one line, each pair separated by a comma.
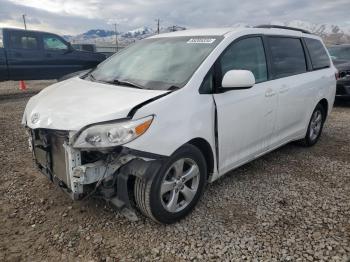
[[324, 104], [201, 144], [206, 150]]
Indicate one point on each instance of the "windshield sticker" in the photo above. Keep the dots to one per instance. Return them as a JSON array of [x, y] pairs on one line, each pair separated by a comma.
[[201, 41]]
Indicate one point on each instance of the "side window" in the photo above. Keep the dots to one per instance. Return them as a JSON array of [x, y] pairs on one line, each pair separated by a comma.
[[318, 54], [287, 55], [23, 41], [246, 54], [52, 42]]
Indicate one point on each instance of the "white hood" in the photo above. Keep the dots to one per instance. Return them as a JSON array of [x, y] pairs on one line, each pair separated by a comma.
[[75, 103]]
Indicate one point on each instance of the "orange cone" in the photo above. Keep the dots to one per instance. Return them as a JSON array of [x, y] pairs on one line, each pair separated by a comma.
[[22, 85]]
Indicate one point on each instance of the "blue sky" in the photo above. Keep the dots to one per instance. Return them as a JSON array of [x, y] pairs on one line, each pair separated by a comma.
[[72, 17]]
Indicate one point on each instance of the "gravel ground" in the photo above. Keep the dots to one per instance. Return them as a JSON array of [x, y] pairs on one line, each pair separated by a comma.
[[291, 205], [12, 87]]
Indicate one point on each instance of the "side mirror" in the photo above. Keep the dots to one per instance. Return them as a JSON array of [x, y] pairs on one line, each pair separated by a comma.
[[238, 79], [70, 48]]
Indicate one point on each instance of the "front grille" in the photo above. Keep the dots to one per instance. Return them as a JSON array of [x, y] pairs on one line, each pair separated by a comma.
[[58, 158], [50, 154]]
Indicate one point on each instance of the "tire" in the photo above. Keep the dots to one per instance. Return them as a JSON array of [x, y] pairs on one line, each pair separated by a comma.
[[154, 197], [311, 137]]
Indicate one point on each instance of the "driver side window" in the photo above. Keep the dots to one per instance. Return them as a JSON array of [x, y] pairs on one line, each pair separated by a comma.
[[52, 42], [246, 54]]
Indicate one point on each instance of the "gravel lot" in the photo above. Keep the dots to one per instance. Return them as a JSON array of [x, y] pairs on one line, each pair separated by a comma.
[[292, 204]]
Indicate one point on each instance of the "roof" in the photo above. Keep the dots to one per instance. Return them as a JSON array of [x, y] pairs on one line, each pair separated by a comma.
[[200, 32], [20, 29], [284, 27], [226, 31]]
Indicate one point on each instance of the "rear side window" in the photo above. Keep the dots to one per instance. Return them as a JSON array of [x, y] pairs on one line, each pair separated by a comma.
[[23, 41], [287, 56], [318, 54], [246, 54]]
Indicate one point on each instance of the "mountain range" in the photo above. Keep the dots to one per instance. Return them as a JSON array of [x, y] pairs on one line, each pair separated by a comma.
[[102, 36], [331, 34]]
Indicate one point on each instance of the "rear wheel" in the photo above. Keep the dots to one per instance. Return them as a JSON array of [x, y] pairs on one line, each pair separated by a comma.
[[176, 189], [315, 126]]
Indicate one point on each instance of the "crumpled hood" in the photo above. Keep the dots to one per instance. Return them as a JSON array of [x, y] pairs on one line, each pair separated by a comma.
[[75, 103]]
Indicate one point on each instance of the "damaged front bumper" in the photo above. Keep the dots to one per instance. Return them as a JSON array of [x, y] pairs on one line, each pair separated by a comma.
[[84, 173]]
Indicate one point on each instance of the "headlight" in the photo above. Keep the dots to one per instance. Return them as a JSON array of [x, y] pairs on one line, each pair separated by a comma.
[[112, 134]]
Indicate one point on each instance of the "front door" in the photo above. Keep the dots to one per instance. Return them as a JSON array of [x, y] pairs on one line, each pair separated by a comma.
[[246, 117], [60, 58]]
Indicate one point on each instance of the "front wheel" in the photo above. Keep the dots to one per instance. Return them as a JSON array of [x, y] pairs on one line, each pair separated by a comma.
[[175, 190], [315, 127]]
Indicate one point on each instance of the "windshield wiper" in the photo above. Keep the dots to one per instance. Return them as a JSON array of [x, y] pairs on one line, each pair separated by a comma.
[[126, 83], [91, 76], [173, 88]]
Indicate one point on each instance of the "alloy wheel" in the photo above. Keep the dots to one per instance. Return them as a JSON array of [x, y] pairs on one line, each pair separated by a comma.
[[315, 125], [179, 185]]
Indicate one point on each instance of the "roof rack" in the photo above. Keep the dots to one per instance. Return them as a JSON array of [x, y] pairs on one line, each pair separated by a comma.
[[283, 27]]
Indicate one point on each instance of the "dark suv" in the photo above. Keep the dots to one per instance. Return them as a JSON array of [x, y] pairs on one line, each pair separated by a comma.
[[341, 59]]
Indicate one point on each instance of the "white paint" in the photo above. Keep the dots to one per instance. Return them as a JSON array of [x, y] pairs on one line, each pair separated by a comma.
[[238, 79], [75, 103], [251, 122]]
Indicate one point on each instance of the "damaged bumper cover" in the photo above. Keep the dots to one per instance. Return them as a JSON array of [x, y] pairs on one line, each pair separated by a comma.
[[83, 173]]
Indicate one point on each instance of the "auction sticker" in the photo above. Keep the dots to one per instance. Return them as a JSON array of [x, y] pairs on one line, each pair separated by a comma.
[[201, 41]]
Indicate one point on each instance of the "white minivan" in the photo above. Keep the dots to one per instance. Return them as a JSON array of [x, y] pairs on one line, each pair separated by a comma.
[[150, 126]]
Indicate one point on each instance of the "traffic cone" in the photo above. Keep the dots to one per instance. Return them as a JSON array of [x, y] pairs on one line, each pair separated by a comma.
[[22, 85]]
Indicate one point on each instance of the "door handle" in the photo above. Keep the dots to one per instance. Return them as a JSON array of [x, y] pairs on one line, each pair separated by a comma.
[[284, 90], [270, 93]]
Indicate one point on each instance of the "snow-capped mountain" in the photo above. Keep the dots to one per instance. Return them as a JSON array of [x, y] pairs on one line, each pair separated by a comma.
[[319, 29], [332, 34], [94, 33], [142, 31], [105, 36]]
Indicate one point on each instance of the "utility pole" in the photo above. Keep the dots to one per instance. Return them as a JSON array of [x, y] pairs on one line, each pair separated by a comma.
[[116, 36], [24, 21], [158, 21]]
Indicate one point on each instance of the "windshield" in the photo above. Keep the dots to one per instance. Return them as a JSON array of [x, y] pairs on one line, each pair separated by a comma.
[[340, 52], [159, 63]]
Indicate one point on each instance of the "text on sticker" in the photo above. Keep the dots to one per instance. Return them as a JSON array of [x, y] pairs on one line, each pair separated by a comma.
[[201, 41]]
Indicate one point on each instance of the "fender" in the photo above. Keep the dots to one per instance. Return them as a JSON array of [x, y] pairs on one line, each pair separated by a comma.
[[135, 108]]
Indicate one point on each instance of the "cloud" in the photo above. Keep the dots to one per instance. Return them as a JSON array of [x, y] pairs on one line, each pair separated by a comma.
[[74, 16], [39, 19]]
